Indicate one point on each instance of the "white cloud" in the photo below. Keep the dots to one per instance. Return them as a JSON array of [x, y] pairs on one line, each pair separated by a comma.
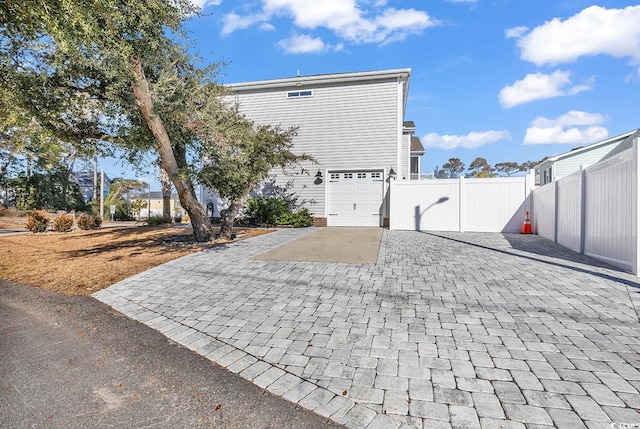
[[302, 44], [355, 21], [470, 141], [539, 86], [515, 32], [204, 3], [265, 26], [574, 127], [463, 1], [560, 135], [572, 117], [233, 22], [593, 31]]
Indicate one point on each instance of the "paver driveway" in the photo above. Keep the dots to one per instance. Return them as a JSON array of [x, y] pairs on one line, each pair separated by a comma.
[[446, 330]]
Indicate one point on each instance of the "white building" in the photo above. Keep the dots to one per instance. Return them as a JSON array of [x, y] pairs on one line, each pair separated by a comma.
[[353, 125]]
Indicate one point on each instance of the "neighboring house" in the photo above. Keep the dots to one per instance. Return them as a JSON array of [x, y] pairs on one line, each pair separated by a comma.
[[353, 125], [155, 200], [416, 150], [89, 184], [562, 165]]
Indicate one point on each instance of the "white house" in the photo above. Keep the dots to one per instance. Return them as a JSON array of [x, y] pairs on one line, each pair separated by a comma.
[[353, 125], [558, 166]]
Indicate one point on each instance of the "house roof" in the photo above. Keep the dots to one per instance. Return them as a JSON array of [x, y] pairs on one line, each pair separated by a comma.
[[416, 145], [409, 124], [321, 79], [578, 150], [624, 145], [157, 195]]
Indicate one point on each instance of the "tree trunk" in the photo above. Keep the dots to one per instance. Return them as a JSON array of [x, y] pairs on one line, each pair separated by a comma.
[[165, 186], [230, 214], [227, 219], [202, 228]]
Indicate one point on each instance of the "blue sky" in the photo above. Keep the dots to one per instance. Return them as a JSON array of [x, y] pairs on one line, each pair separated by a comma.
[[506, 80]]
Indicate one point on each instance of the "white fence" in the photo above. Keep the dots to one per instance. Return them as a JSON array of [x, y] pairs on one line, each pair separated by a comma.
[[480, 205], [594, 211]]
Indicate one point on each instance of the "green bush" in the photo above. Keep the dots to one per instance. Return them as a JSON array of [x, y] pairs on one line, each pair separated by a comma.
[[37, 221], [89, 221], [266, 210], [155, 220], [300, 219], [63, 223]]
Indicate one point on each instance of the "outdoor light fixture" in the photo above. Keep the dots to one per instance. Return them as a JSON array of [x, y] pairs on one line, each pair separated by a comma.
[[318, 178], [392, 174]]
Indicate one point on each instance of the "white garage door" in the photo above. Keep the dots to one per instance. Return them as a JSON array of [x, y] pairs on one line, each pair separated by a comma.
[[355, 198]]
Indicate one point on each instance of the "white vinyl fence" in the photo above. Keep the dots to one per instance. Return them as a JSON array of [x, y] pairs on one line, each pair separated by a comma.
[[479, 205], [594, 211]]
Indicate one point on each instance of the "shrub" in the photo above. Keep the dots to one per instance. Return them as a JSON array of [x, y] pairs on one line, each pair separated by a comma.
[[37, 221], [266, 210], [155, 220], [89, 221], [63, 223], [301, 218]]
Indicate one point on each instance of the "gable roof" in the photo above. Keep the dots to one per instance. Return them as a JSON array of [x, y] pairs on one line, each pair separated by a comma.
[[578, 150], [319, 79], [416, 145]]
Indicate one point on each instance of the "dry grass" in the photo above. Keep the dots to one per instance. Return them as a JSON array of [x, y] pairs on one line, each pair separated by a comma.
[[11, 218], [83, 262]]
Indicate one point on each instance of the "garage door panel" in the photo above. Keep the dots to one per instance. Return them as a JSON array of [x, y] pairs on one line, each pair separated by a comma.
[[355, 198]]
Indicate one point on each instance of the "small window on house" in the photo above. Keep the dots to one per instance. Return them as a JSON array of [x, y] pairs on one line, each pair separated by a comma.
[[335, 175], [348, 175], [362, 175], [298, 94], [375, 175]]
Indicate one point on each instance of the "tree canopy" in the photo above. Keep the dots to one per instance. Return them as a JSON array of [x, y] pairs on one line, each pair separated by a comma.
[[96, 71], [239, 155]]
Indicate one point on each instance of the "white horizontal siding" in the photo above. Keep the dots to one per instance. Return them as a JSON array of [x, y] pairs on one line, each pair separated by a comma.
[[344, 127], [571, 164]]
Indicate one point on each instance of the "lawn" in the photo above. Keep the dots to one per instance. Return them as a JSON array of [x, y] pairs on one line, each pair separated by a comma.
[[83, 262]]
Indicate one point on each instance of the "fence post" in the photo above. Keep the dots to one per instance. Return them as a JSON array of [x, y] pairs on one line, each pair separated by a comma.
[[555, 210], [461, 205], [583, 207], [635, 189]]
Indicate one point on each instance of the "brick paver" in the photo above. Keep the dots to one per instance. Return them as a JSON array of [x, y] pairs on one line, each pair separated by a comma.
[[446, 330]]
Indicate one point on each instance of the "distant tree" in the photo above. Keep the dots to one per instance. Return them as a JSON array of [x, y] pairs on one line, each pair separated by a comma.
[[121, 194], [139, 204], [528, 165], [440, 173], [454, 167], [480, 168], [508, 168]]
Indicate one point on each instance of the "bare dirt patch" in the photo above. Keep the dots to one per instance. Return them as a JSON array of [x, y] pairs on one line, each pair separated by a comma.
[[83, 262]]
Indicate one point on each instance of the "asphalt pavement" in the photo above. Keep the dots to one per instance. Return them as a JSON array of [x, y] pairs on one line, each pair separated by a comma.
[[73, 362]]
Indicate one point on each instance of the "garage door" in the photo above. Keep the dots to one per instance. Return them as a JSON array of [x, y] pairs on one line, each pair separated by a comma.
[[355, 198]]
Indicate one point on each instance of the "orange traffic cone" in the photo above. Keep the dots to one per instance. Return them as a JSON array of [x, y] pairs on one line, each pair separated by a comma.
[[526, 227]]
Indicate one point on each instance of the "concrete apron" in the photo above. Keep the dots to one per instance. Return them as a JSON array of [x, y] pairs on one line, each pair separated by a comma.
[[333, 244]]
